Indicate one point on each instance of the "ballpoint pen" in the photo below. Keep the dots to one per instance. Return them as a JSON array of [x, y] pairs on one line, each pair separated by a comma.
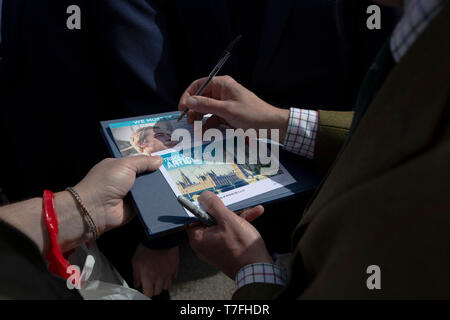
[[214, 72], [201, 214]]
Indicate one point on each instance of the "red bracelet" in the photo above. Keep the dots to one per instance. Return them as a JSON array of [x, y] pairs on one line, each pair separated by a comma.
[[56, 262]]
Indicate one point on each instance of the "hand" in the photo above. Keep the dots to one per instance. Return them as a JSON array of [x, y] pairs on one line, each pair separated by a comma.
[[233, 243], [102, 192], [154, 270], [234, 105], [105, 186]]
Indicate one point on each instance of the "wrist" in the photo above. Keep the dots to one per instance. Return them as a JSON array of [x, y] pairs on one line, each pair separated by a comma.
[[284, 123], [90, 199], [281, 122], [73, 230]]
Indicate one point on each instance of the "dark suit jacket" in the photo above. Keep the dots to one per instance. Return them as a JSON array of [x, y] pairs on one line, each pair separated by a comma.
[[312, 53], [53, 97], [56, 86], [385, 202]]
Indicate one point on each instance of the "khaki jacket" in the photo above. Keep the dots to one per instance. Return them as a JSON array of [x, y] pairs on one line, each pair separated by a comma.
[[386, 201]]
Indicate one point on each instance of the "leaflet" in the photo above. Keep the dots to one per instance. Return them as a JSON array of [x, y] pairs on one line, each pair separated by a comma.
[[231, 181], [189, 171]]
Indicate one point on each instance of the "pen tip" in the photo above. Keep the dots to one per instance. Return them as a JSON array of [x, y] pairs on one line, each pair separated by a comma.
[[181, 116], [233, 43]]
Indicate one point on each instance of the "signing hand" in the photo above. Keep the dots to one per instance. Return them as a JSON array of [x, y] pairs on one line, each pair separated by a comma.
[[232, 104], [233, 243]]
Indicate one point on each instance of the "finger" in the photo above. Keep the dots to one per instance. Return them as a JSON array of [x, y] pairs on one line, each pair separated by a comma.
[[213, 90], [215, 207], [182, 105], [196, 234], [198, 239], [212, 122], [175, 275], [167, 284], [148, 291], [158, 287], [252, 213], [190, 91], [142, 164], [194, 116], [206, 105], [147, 284]]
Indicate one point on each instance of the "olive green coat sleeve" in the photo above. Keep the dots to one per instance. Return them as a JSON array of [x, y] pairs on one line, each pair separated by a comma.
[[332, 132], [333, 129]]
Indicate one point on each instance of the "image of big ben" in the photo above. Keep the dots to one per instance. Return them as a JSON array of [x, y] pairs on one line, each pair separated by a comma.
[[236, 177]]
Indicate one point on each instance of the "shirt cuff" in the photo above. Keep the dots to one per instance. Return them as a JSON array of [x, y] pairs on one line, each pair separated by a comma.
[[302, 132], [261, 273]]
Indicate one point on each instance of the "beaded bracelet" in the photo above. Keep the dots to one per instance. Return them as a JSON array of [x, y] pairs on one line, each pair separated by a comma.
[[87, 217]]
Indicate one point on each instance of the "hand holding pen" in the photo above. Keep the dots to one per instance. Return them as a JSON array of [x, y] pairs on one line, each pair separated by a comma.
[[215, 71], [207, 219], [233, 242]]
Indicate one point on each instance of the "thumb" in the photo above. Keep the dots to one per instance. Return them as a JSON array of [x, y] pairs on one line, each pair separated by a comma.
[[207, 105], [142, 164], [215, 207]]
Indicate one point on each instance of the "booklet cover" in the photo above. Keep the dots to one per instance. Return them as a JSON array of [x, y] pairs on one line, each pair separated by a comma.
[[188, 170]]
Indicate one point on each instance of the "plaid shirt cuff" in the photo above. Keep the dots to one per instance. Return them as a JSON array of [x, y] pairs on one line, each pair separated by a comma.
[[302, 132], [261, 273]]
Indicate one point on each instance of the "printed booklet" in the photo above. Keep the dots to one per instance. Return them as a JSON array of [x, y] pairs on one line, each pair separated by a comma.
[[242, 171]]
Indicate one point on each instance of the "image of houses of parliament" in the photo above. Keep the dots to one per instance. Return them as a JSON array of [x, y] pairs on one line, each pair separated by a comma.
[[240, 176]]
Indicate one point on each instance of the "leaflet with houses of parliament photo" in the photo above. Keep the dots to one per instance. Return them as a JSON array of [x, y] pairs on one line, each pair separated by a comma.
[[190, 176], [240, 184], [231, 181]]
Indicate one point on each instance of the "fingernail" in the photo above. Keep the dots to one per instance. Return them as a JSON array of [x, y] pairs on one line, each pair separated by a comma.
[[205, 196], [191, 102]]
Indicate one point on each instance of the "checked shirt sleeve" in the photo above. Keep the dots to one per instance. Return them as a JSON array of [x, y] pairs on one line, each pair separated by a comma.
[[302, 132], [261, 273]]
